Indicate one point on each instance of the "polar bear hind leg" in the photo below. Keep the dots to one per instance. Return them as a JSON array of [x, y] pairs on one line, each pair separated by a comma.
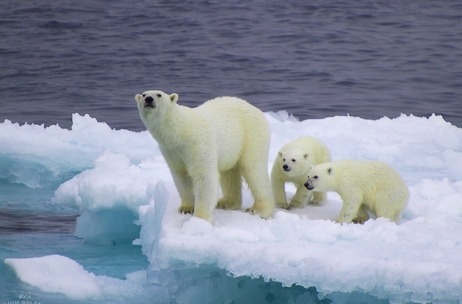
[[386, 208], [231, 187], [255, 172], [350, 208], [362, 216]]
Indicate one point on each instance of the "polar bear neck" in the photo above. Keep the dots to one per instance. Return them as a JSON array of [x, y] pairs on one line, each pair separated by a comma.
[[168, 129]]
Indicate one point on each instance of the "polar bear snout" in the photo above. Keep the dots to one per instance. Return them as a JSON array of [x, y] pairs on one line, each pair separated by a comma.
[[308, 185], [286, 168], [149, 102]]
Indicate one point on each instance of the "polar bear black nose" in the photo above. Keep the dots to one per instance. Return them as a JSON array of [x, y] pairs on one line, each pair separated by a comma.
[[149, 99], [285, 167]]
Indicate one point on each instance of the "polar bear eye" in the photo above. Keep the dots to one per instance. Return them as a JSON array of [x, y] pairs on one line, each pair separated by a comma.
[[283, 159], [293, 160], [144, 95], [315, 177], [159, 95]]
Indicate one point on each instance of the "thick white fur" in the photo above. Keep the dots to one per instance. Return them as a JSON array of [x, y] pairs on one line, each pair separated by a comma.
[[363, 186], [292, 165], [219, 141]]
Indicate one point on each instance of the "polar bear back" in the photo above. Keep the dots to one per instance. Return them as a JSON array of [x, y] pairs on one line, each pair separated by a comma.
[[319, 153], [380, 185], [370, 175], [238, 126]]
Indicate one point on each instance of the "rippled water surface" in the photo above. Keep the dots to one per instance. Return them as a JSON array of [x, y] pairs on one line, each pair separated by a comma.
[[311, 58]]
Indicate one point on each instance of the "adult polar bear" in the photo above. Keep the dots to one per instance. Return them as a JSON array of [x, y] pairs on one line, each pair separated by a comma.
[[221, 140]]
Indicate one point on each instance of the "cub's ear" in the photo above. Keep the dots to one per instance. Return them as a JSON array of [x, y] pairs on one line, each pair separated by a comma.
[[174, 97], [280, 153], [305, 156], [329, 171]]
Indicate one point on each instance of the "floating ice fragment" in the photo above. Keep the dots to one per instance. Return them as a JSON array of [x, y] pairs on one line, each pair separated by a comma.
[[56, 273]]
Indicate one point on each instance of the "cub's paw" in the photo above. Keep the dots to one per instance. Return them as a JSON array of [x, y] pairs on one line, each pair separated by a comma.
[[318, 199], [315, 203], [186, 209], [296, 204]]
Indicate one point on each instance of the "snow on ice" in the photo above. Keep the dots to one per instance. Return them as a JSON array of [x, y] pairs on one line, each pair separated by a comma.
[[124, 193]]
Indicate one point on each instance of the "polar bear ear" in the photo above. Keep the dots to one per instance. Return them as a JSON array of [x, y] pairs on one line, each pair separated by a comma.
[[329, 171], [174, 97], [305, 156], [280, 153], [138, 97]]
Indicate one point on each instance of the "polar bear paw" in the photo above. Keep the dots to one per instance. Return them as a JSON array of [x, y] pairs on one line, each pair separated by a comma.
[[318, 199], [228, 204], [251, 210], [284, 206], [186, 209], [315, 203], [265, 211], [294, 203]]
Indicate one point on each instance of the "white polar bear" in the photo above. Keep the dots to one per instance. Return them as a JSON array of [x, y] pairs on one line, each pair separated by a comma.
[[292, 165], [220, 140], [364, 186]]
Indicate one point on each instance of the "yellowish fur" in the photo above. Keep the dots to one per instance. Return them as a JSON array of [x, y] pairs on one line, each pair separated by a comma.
[[218, 142], [292, 165], [364, 186]]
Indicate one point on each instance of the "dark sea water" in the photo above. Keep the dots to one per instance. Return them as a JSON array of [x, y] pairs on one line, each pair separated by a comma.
[[312, 58]]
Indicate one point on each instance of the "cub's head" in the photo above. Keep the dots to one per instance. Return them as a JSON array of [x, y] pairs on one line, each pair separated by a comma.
[[152, 103], [321, 178], [294, 162]]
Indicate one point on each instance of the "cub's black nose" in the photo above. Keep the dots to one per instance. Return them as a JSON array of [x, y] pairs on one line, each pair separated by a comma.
[[285, 167], [308, 186], [149, 99]]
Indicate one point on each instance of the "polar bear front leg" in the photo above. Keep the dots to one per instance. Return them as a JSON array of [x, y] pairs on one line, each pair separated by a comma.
[[204, 176], [318, 198], [184, 186], [205, 190], [300, 198], [350, 208], [182, 181]]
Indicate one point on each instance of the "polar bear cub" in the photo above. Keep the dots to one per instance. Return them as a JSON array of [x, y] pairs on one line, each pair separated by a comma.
[[364, 186], [292, 165], [217, 142]]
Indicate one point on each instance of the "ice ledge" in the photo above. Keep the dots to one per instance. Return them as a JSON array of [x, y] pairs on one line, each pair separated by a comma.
[[417, 260]]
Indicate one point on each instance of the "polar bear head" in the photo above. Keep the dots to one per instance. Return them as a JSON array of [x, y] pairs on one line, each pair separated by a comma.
[[321, 178], [294, 162], [154, 103]]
